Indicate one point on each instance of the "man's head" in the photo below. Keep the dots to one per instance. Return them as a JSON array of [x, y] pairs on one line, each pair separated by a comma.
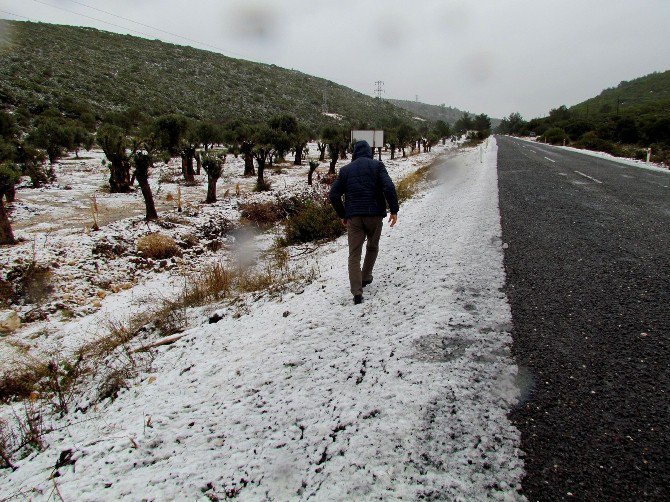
[[362, 149]]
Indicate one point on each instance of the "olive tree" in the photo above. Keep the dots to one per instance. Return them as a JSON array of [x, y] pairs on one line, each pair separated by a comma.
[[112, 139], [213, 166]]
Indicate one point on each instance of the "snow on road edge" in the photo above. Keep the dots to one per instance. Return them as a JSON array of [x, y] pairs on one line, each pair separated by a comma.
[[313, 397]]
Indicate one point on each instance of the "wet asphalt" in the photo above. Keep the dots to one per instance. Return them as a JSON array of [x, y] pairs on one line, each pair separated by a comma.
[[588, 278]]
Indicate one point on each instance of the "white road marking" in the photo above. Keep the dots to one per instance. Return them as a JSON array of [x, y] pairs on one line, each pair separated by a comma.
[[550, 160], [532, 151], [589, 177]]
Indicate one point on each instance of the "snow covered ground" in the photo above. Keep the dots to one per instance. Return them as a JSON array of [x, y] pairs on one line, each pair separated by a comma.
[[92, 288], [309, 396]]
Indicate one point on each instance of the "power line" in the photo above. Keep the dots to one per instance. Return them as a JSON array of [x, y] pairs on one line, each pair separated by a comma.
[[12, 14], [132, 21], [149, 26]]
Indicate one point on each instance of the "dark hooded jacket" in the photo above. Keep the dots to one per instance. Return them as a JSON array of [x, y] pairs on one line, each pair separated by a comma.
[[366, 186]]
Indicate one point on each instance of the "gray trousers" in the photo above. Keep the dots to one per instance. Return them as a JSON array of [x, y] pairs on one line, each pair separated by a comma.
[[358, 229]]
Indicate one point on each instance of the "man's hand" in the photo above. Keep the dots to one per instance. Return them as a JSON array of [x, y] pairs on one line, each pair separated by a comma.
[[344, 222], [393, 219]]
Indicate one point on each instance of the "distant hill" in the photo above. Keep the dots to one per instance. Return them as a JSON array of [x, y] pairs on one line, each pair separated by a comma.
[[642, 96], [434, 112], [44, 64]]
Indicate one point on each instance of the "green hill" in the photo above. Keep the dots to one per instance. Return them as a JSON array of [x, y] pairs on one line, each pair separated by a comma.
[[42, 65], [623, 120], [434, 112], [643, 96]]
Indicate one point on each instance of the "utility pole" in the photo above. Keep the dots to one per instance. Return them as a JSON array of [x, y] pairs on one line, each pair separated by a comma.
[[379, 88], [416, 98]]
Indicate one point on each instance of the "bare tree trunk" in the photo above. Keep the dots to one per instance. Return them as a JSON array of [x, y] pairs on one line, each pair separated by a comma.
[[143, 164], [249, 164], [322, 151], [152, 214], [333, 161], [260, 181], [198, 160], [310, 175], [211, 189], [11, 194], [119, 175], [187, 166], [298, 156], [6, 234], [392, 152]]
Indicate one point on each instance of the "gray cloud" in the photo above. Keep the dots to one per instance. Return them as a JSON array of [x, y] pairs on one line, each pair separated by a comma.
[[486, 56]]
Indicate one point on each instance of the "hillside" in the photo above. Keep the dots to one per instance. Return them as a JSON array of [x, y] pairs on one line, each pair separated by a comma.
[[433, 112], [41, 64], [645, 95]]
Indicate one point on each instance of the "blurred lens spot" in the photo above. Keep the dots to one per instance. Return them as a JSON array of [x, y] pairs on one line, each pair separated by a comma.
[[454, 18], [479, 66], [389, 32], [253, 21]]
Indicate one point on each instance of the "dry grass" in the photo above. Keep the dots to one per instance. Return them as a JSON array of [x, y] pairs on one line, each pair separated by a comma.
[[262, 213], [158, 246], [409, 186]]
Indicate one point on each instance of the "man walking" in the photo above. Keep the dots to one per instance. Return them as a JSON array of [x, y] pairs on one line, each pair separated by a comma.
[[367, 187]]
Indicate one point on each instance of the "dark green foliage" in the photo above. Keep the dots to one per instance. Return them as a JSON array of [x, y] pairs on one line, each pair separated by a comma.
[[208, 134], [514, 125], [53, 135], [337, 139], [555, 136], [9, 176], [170, 131], [60, 65], [316, 220], [442, 129], [7, 125], [635, 113], [404, 134]]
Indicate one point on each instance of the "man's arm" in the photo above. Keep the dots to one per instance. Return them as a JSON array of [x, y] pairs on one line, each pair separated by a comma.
[[335, 196], [390, 194]]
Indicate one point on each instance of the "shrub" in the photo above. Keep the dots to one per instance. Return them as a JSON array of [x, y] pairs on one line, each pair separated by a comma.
[[555, 136], [262, 213], [158, 246], [591, 141], [316, 220]]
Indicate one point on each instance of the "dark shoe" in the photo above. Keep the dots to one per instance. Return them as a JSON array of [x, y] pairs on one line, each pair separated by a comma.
[[358, 299], [365, 283]]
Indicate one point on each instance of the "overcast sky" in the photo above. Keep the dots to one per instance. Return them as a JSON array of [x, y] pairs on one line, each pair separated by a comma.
[[490, 56]]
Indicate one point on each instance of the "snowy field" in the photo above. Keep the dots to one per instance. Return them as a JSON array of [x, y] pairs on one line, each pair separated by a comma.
[[310, 397], [93, 288]]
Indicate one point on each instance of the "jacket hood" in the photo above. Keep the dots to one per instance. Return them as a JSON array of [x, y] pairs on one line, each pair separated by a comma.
[[362, 149]]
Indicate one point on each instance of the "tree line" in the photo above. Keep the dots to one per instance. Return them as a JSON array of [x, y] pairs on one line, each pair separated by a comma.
[[621, 134], [132, 142]]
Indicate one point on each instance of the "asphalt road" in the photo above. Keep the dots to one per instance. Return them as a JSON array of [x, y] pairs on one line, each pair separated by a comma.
[[588, 279]]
